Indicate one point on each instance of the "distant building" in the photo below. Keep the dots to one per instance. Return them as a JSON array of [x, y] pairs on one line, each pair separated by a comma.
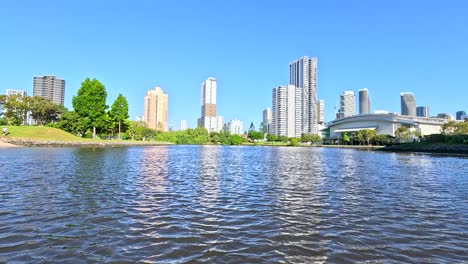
[[236, 127], [364, 101], [10, 92], [460, 115], [183, 124], [445, 116], [267, 119], [384, 124], [347, 104], [303, 74], [408, 104], [139, 118], [49, 87], [156, 105], [380, 112], [208, 118], [321, 113], [287, 111], [422, 111]]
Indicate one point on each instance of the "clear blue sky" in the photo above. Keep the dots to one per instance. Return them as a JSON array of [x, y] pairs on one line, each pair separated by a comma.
[[132, 46]]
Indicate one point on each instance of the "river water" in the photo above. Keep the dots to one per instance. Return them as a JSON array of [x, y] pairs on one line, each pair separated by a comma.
[[221, 204]]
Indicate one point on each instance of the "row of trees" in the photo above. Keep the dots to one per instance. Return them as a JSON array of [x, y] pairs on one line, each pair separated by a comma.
[[199, 135], [455, 128], [17, 108]]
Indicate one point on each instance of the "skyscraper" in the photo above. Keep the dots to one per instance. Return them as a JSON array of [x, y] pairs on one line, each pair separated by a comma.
[[321, 112], [364, 102], [287, 111], [422, 111], [408, 104], [49, 87], [460, 115], [236, 127], [156, 105], [183, 124], [303, 74], [267, 116], [209, 119], [347, 104]]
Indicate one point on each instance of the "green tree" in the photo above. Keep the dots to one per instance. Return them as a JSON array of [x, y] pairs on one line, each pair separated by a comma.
[[16, 109], [119, 112], [449, 127], [462, 128], [69, 121], [381, 139], [314, 138], [255, 135], [402, 134], [293, 142], [283, 139], [90, 103], [43, 111], [262, 127], [271, 137], [235, 139], [368, 135], [252, 127], [346, 138]]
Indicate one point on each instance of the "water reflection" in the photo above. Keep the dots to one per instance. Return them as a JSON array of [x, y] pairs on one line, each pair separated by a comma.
[[231, 205]]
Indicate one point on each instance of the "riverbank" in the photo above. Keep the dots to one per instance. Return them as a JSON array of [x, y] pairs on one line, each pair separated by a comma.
[[428, 148]]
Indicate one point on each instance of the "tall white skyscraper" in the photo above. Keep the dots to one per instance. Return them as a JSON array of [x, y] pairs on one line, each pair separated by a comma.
[[303, 74], [183, 124], [49, 87], [236, 127], [287, 111], [209, 119], [267, 119], [347, 104]]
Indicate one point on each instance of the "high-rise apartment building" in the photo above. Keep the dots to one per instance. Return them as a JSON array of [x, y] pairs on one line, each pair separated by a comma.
[[183, 125], [236, 127], [321, 112], [347, 104], [209, 119], [446, 116], [422, 111], [364, 102], [460, 115], [408, 104], [287, 111], [49, 87], [156, 105], [267, 116], [10, 92], [303, 74]]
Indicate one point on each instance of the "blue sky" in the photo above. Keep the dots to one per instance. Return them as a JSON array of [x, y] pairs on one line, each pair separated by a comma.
[[132, 46]]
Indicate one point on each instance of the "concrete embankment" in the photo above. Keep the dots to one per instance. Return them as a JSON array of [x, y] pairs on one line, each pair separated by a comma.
[[434, 148], [14, 142]]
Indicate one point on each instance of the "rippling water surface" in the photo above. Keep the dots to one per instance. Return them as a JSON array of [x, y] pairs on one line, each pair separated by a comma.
[[202, 204]]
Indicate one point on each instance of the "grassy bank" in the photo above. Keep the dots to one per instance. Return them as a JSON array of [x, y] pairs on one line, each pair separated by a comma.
[[52, 137]]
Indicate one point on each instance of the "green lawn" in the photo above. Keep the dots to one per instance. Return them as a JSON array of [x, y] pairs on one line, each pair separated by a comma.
[[41, 133]]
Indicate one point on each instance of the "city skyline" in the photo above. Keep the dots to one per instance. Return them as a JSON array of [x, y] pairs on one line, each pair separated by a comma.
[[353, 46]]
